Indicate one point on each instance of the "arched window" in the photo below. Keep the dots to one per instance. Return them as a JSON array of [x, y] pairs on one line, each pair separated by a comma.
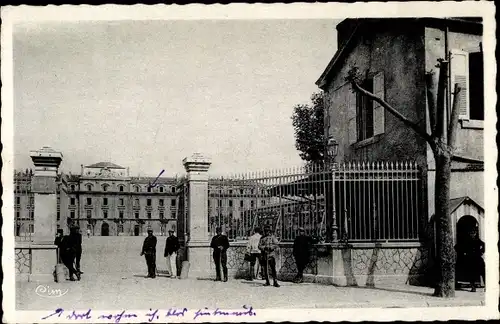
[[160, 189], [89, 187], [137, 189], [173, 189], [72, 187], [105, 187], [121, 188], [150, 189]]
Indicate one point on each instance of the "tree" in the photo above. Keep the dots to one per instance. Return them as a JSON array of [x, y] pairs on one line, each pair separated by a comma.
[[442, 141], [308, 124]]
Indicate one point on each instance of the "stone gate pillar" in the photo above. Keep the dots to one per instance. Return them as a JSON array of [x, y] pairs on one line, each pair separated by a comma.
[[198, 245], [44, 188]]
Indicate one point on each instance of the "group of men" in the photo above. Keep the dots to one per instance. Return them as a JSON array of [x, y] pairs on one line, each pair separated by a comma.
[[261, 251], [171, 248], [70, 251]]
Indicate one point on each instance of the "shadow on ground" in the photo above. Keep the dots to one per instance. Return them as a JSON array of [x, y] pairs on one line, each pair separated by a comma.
[[394, 290]]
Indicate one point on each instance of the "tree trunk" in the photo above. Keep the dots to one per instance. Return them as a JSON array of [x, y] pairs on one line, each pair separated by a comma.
[[445, 286]]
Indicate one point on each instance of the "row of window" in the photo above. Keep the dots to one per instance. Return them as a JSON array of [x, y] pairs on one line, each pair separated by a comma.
[[252, 191], [121, 202], [32, 200], [121, 214], [31, 215], [121, 188], [230, 203]]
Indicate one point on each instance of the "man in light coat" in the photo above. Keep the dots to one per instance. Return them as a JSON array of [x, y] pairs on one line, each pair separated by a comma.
[[254, 253]]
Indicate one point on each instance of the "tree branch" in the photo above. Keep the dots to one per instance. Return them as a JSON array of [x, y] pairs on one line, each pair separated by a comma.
[[452, 128], [441, 100], [394, 112], [431, 99]]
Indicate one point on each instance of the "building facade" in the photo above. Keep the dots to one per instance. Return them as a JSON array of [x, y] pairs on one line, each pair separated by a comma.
[[394, 56], [24, 204], [105, 200]]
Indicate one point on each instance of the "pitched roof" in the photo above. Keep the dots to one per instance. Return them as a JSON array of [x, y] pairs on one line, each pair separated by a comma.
[[108, 165], [466, 159], [457, 202], [358, 26], [147, 180]]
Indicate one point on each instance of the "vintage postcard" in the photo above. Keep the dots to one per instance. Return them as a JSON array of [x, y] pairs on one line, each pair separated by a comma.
[[249, 163]]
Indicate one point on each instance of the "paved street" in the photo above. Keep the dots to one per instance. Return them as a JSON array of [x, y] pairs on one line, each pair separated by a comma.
[[135, 291], [114, 278]]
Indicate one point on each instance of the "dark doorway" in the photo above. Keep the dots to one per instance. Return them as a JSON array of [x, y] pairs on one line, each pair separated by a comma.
[[465, 226], [105, 229], [136, 230]]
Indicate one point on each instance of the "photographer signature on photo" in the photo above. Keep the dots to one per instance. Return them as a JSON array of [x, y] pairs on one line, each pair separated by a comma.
[[47, 291]]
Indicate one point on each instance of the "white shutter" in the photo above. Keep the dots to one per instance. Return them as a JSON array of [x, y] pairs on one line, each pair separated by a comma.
[[351, 114], [378, 110], [460, 74]]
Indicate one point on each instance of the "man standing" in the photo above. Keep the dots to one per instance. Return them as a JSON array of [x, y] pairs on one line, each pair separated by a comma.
[[171, 248], [67, 252], [220, 244], [470, 258], [88, 232], [149, 250], [58, 242], [78, 247], [301, 248], [254, 252], [268, 245]]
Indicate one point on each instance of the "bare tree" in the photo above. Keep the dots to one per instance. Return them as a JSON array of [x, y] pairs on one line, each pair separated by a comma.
[[442, 141]]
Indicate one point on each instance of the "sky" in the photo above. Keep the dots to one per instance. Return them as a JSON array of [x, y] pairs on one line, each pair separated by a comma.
[[146, 94]]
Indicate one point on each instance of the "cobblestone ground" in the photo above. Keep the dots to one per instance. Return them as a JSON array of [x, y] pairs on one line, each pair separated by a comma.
[[114, 278]]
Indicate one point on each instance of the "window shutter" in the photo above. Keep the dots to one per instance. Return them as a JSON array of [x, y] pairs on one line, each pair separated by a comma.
[[351, 114], [378, 110], [460, 74]]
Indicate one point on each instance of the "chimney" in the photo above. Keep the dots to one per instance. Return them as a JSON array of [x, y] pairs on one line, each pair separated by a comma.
[[128, 171], [345, 30], [81, 172]]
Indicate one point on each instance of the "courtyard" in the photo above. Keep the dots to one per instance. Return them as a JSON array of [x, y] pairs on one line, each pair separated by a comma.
[[114, 278]]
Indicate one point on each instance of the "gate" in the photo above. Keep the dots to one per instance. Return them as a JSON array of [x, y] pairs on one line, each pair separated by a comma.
[[367, 202], [182, 190]]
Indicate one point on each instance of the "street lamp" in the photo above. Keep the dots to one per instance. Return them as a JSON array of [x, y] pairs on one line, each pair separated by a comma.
[[332, 147]]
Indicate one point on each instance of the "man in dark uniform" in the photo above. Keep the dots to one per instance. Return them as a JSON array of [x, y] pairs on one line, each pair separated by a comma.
[[67, 252], [58, 242], [301, 247], [149, 250], [78, 247], [470, 258], [220, 244]]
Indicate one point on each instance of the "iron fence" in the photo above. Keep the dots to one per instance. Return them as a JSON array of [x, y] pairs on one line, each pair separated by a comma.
[[369, 201]]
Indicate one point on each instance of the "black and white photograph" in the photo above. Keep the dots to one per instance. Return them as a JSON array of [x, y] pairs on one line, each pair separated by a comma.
[[249, 163]]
